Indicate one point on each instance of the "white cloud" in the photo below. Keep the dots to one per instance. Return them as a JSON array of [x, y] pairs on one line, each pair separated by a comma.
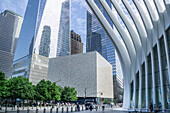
[[18, 7], [80, 3]]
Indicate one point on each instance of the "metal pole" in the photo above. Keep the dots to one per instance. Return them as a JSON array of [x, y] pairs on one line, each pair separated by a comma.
[[85, 93], [71, 109], [51, 110], [36, 110], [67, 109], [75, 109], [44, 110], [28, 110], [62, 110], [56, 110], [6, 110], [18, 110], [82, 108]]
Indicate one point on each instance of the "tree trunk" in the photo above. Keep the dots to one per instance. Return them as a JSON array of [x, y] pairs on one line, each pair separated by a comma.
[[36, 101], [23, 103], [15, 102], [27, 103]]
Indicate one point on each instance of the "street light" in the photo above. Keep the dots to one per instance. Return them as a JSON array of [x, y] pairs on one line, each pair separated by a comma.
[[58, 80]]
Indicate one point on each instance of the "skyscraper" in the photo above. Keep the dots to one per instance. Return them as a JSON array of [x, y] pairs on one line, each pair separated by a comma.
[[98, 40], [45, 33], [76, 43], [10, 25]]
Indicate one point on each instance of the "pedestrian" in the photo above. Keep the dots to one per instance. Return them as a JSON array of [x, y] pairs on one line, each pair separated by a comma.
[[96, 107], [103, 107], [151, 107], [78, 107], [91, 107]]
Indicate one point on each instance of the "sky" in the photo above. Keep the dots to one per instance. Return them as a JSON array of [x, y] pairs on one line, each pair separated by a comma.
[[78, 14]]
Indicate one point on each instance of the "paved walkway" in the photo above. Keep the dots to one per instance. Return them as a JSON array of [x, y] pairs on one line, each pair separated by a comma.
[[107, 110]]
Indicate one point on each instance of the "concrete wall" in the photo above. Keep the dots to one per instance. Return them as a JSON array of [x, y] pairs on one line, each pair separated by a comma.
[[84, 72], [38, 68], [104, 78]]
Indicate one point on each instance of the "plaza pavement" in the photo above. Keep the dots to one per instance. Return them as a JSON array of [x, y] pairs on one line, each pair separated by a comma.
[[107, 110]]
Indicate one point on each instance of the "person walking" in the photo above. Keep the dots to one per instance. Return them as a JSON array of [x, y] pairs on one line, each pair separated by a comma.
[[78, 107], [91, 107], [103, 106], [151, 107]]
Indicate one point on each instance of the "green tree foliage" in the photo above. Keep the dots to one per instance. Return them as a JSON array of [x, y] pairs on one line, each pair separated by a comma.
[[47, 91], [106, 101], [68, 94], [3, 86], [20, 87], [115, 101], [42, 91], [55, 91]]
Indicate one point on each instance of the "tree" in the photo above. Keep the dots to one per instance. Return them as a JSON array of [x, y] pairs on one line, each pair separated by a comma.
[[115, 102], [20, 87], [68, 94], [3, 86], [55, 92], [42, 91], [106, 101]]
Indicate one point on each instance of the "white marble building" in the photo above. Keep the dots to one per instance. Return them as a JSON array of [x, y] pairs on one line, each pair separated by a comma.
[[143, 49], [89, 73]]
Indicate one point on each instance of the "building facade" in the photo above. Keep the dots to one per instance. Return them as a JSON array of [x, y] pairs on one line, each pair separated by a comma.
[[98, 40], [45, 32], [76, 43], [145, 54], [10, 25], [89, 73]]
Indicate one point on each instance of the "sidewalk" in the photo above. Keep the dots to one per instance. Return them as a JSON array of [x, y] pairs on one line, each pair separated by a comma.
[[64, 108]]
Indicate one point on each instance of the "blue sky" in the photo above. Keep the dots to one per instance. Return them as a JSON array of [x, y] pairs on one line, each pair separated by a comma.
[[78, 14]]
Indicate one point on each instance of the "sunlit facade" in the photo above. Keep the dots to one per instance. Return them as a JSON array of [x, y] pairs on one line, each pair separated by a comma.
[[10, 26], [45, 32], [143, 49]]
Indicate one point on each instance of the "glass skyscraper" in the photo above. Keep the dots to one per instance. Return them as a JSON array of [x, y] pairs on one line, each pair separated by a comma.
[[98, 40], [45, 32], [10, 26]]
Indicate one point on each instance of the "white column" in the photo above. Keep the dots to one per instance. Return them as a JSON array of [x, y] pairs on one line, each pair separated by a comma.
[[146, 82], [162, 20], [153, 76], [140, 87], [160, 73], [153, 18], [134, 91]]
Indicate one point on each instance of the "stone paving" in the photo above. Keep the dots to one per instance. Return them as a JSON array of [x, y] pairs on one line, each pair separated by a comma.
[[107, 110]]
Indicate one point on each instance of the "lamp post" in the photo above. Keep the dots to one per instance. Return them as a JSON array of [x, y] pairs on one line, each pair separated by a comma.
[[101, 93], [58, 80]]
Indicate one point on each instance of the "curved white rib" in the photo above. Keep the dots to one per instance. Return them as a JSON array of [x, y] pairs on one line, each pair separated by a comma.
[[115, 40], [152, 54], [164, 36], [152, 13], [127, 40], [149, 8], [134, 35], [137, 23], [121, 50], [154, 30], [143, 35], [158, 5], [142, 13]]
